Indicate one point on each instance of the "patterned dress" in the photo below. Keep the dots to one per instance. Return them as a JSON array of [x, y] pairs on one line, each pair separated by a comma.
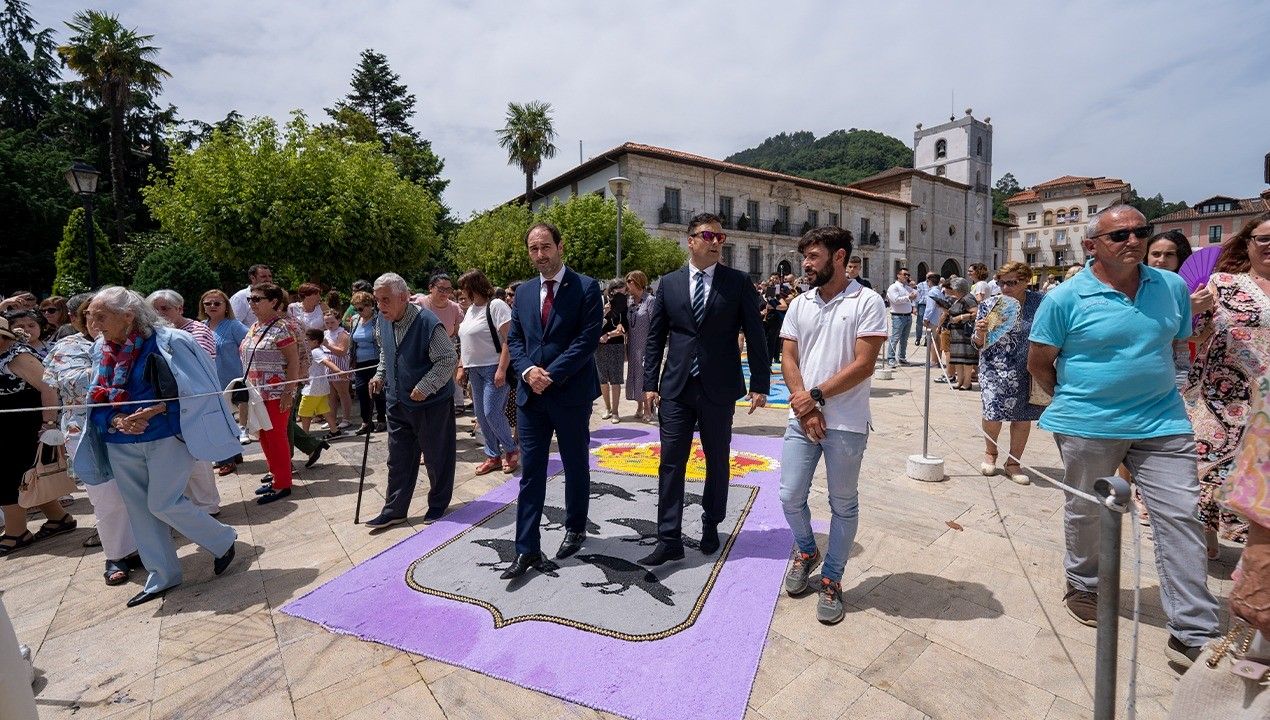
[[638, 316], [1233, 355], [262, 355], [960, 350], [1003, 374]]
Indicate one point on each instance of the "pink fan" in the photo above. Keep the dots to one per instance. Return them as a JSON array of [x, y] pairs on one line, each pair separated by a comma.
[[1199, 266]]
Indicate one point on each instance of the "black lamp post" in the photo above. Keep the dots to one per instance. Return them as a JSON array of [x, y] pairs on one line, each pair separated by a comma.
[[82, 178]]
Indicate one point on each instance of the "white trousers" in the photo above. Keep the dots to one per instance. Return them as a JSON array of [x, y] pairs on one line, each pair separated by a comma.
[[17, 700], [202, 490]]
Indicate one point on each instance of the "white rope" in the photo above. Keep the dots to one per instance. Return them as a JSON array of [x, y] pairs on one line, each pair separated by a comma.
[[90, 406]]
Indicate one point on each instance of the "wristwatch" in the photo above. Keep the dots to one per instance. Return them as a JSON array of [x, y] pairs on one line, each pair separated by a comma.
[[818, 396]]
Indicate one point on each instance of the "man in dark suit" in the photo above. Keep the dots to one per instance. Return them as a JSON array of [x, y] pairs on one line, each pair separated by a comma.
[[700, 309], [555, 331]]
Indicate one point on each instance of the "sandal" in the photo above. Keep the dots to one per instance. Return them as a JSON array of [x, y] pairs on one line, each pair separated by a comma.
[[93, 540], [56, 527], [116, 572], [19, 542], [988, 467], [1014, 471]]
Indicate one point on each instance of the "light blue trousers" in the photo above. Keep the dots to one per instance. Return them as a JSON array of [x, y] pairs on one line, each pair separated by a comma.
[[489, 402], [843, 451], [152, 477]]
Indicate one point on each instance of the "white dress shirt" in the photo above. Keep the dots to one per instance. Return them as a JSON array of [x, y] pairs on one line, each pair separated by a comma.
[[901, 298], [242, 309], [692, 280], [542, 287]]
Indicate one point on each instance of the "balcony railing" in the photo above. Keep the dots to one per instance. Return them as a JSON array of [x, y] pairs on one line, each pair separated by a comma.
[[1032, 244]]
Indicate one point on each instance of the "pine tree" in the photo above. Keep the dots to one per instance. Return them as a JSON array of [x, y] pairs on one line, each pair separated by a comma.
[[379, 94]]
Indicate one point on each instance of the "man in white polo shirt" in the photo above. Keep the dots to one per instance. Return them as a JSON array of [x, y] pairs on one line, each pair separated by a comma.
[[832, 335], [901, 297]]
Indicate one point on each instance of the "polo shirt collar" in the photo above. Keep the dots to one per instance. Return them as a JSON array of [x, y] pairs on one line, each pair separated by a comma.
[[1087, 284], [852, 289]]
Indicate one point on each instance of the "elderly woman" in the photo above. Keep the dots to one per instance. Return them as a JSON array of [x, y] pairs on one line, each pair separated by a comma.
[[69, 369], [171, 307], [351, 311], [959, 320], [308, 311], [58, 317], [1003, 374], [639, 313], [483, 359], [146, 440], [365, 354], [22, 387], [272, 353]]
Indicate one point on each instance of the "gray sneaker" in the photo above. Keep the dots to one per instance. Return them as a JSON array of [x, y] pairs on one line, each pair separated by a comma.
[[802, 566], [830, 610]]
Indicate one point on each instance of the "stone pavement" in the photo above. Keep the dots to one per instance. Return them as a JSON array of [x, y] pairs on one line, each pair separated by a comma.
[[954, 593]]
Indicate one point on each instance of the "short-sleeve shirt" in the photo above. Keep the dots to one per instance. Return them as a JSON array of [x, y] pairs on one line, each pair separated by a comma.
[[319, 384], [1115, 356], [262, 355], [450, 314], [311, 320], [476, 344], [826, 333], [202, 335]]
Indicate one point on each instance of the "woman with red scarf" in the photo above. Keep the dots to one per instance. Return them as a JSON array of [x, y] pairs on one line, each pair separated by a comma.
[[158, 410]]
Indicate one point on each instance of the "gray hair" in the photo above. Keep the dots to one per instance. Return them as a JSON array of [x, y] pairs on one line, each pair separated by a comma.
[[393, 282], [1095, 223], [170, 297], [960, 285], [78, 301], [122, 300]]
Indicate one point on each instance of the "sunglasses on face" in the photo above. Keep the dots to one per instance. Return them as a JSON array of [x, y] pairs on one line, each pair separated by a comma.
[[49, 311], [1119, 236], [212, 303], [256, 299], [710, 236]]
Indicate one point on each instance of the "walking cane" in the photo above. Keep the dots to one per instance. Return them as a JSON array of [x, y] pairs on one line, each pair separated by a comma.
[[361, 482]]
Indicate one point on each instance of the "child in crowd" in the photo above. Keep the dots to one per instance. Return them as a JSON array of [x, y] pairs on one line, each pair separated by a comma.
[[315, 397]]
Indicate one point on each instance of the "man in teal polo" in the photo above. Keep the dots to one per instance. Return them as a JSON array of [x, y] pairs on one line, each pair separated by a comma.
[[1102, 344]]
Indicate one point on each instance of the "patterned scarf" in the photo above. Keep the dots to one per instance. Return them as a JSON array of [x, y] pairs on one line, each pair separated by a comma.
[[114, 368]]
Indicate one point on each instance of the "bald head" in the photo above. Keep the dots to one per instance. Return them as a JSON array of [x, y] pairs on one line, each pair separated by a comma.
[[1126, 213]]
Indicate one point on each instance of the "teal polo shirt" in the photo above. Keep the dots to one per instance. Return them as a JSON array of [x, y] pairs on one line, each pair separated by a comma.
[[1115, 357]]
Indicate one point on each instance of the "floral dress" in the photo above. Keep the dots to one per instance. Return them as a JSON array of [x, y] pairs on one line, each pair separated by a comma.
[[1003, 374], [1233, 355], [639, 317]]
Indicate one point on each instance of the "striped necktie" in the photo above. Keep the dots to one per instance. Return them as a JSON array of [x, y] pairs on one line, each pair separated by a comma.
[[698, 313]]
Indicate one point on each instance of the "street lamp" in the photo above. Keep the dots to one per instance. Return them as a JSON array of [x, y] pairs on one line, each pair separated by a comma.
[[82, 179], [619, 186]]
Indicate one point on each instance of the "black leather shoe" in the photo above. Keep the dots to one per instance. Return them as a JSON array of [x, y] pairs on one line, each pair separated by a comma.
[[145, 597], [273, 496], [572, 543], [313, 456], [709, 538], [662, 554], [265, 489], [521, 564], [221, 563], [433, 514]]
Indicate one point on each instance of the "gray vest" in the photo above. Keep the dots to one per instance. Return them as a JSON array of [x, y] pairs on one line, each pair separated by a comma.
[[405, 365]]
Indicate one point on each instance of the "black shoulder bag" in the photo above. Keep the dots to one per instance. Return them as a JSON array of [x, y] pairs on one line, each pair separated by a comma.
[[512, 380], [238, 387]]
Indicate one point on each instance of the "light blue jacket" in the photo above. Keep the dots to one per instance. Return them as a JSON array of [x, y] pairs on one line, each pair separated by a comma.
[[207, 424]]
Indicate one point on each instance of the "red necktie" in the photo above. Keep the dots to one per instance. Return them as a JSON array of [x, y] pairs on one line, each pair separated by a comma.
[[546, 304]]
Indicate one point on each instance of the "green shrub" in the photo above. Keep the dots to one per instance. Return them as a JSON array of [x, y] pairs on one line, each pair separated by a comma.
[[71, 259], [176, 267]]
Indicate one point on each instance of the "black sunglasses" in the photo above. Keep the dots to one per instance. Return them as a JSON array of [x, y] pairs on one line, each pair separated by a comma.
[[256, 299], [1119, 236]]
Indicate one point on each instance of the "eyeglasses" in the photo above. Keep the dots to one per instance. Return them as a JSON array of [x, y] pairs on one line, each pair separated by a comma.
[[710, 236], [1009, 283], [1258, 239], [1118, 236], [256, 299], [49, 310], [212, 303]]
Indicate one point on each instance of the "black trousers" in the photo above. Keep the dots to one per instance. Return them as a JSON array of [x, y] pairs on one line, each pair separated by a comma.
[[361, 385], [680, 416], [411, 430], [537, 420]]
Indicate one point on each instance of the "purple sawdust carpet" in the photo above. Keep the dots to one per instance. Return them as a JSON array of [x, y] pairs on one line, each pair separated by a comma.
[[679, 641]]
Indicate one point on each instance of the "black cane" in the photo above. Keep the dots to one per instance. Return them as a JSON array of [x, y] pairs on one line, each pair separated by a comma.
[[361, 482]]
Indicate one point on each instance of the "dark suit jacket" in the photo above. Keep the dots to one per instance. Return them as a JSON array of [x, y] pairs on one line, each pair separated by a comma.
[[566, 349], [732, 307]]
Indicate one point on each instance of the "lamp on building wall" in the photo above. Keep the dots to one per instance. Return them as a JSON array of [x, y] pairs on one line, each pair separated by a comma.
[[620, 187], [82, 179]]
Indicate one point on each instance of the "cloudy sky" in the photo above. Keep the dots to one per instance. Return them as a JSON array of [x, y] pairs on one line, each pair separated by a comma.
[[1172, 96]]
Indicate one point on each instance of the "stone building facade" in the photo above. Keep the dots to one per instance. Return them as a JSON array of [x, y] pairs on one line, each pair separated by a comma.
[[1050, 219]]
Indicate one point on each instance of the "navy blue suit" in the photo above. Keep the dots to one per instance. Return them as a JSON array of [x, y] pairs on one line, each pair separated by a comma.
[[566, 350], [707, 400]]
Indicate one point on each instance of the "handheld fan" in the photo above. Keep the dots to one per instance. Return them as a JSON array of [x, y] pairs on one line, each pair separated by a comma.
[[1001, 318]]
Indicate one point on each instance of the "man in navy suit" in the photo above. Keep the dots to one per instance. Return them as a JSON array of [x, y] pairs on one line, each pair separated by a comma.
[[700, 310], [555, 331]]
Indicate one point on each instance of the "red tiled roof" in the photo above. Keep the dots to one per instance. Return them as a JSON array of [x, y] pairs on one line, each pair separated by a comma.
[[1249, 206], [609, 157], [1093, 186]]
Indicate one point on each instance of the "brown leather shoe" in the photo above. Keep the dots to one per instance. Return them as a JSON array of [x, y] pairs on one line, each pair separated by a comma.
[[1082, 605]]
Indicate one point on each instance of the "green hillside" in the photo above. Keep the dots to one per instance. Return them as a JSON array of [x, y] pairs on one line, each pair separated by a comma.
[[842, 156]]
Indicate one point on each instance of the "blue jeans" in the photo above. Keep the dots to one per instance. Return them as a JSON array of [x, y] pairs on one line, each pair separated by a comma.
[[843, 451], [900, 325], [490, 402], [921, 313]]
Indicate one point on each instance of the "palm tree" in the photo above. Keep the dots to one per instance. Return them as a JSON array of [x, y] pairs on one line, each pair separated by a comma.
[[527, 138], [113, 62]]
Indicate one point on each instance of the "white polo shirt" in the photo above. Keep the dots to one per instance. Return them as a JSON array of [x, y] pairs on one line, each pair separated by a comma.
[[826, 333]]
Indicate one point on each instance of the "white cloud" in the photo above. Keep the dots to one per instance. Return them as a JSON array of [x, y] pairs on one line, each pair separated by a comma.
[[1172, 97]]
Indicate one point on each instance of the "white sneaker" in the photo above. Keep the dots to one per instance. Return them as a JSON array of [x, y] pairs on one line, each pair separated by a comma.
[[244, 438]]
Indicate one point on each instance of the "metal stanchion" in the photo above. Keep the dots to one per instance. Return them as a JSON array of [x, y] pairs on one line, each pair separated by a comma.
[[1115, 494], [925, 467]]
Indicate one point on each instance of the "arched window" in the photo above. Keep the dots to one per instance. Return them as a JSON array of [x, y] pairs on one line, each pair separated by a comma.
[[1049, 217], [1062, 216], [979, 147], [1074, 214], [941, 149]]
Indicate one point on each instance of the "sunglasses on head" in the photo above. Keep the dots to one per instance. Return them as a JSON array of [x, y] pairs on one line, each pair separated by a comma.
[[1118, 236], [710, 236]]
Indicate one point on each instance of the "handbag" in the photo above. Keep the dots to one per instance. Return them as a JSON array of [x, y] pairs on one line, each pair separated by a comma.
[[1224, 682], [238, 386], [48, 480], [512, 379]]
